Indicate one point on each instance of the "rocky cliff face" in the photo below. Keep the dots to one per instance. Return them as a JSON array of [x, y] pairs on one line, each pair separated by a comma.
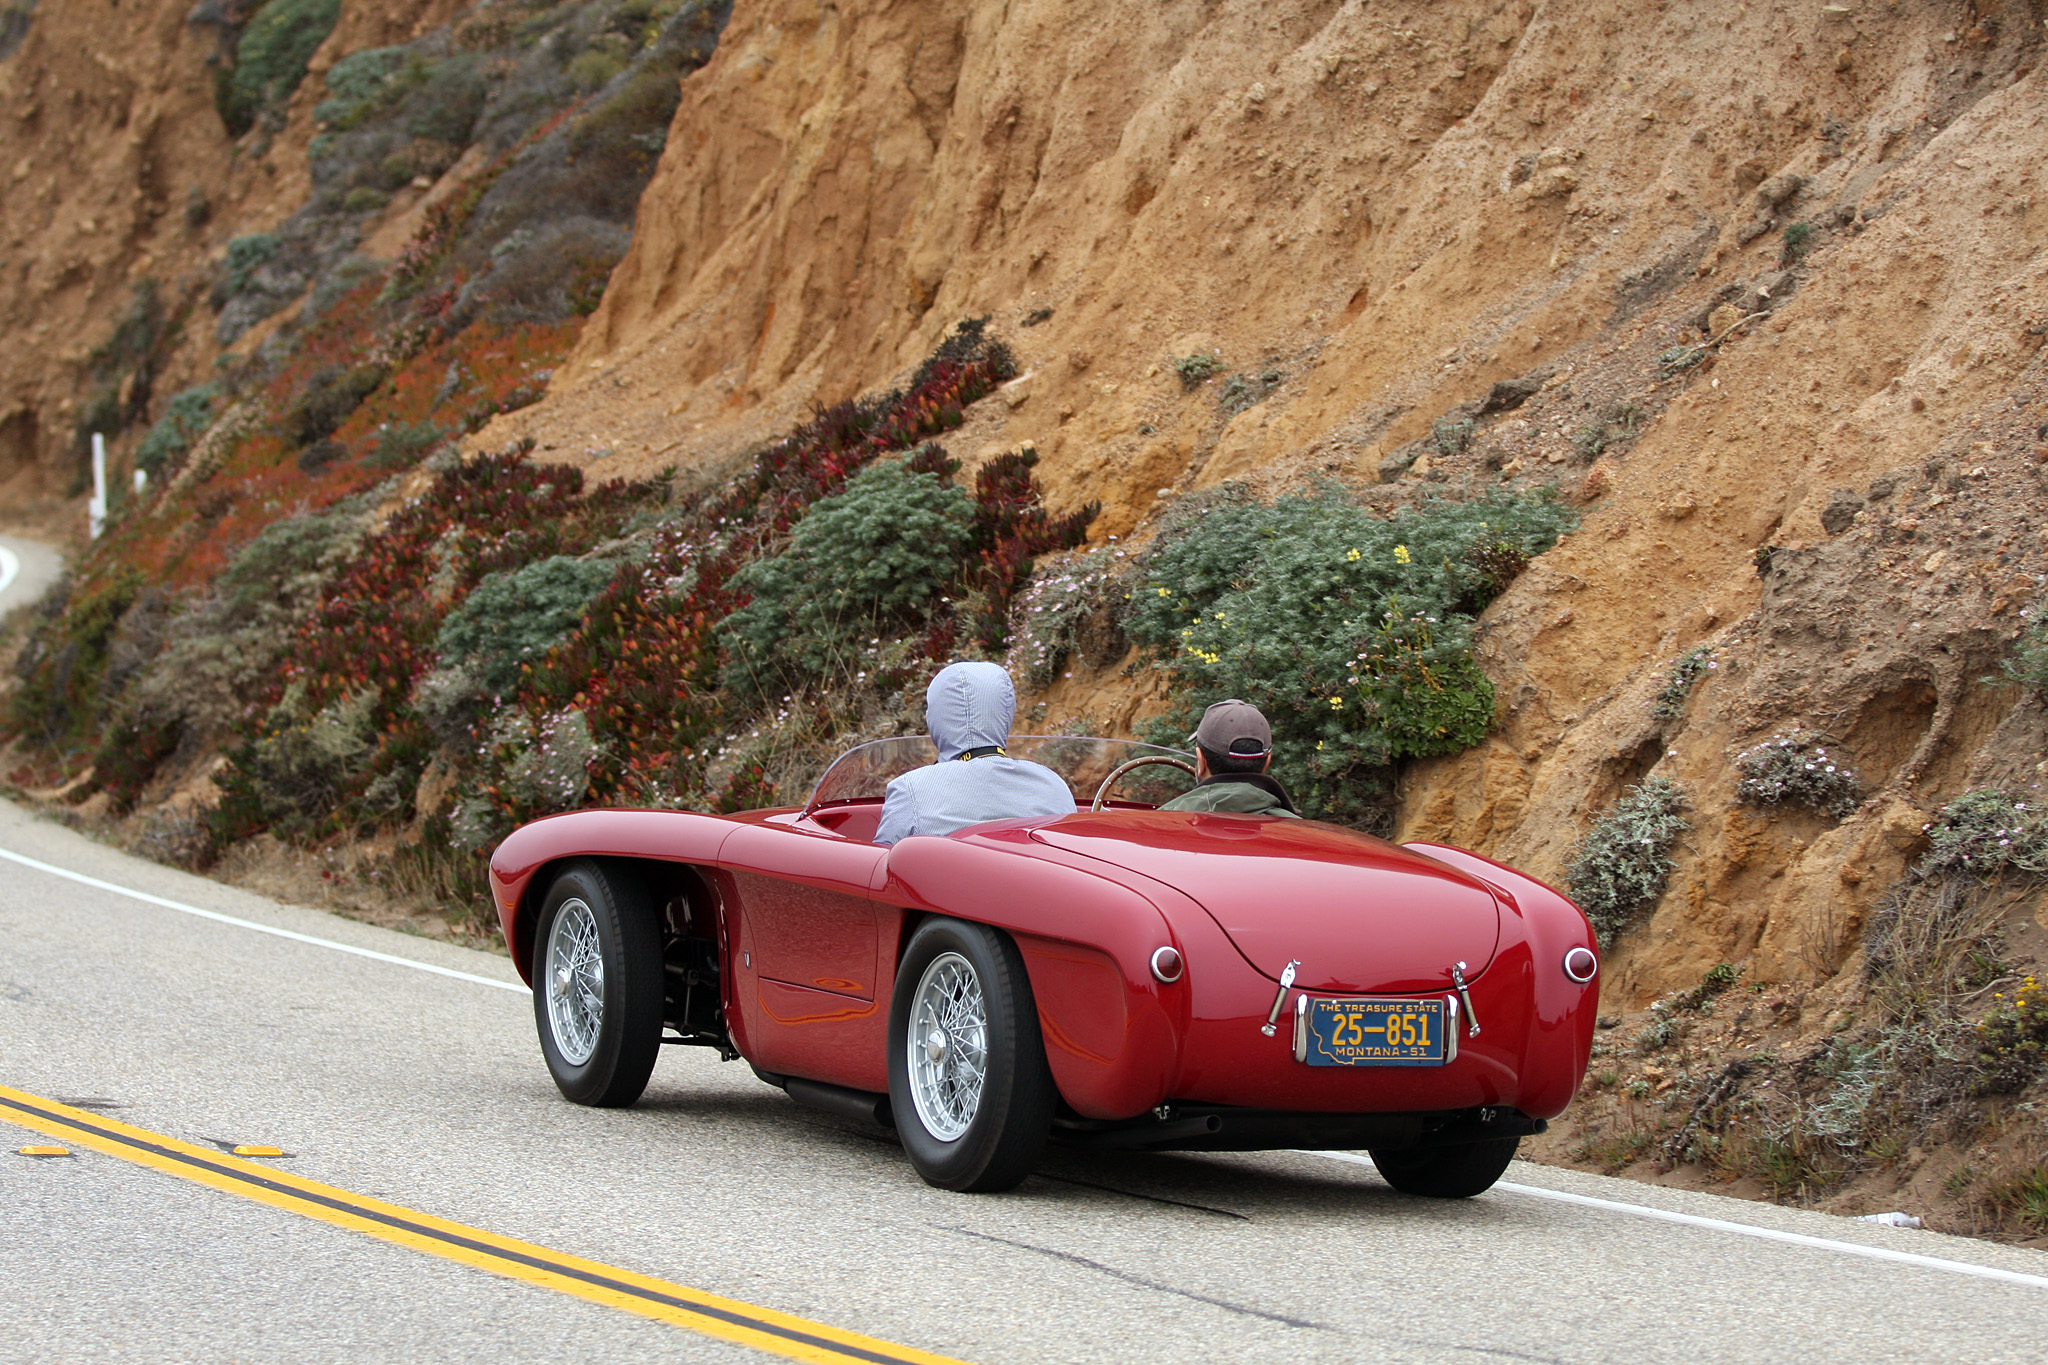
[[1781, 261], [118, 170]]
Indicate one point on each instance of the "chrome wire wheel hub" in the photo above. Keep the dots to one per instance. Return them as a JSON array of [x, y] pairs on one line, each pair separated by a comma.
[[948, 1046], [573, 977]]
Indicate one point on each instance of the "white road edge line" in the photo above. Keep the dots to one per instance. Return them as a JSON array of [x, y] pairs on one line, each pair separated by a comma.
[[10, 565], [219, 918], [1800, 1239]]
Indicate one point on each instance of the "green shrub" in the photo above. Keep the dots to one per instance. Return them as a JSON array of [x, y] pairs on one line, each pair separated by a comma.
[[1619, 869], [294, 772], [512, 618], [2028, 665], [183, 423], [1449, 436], [1244, 391], [1352, 633], [594, 68], [330, 399], [1987, 833], [1686, 671], [360, 84], [1798, 241], [1051, 612], [400, 445], [624, 134], [246, 255], [270, 59], [1796, 768], [1700, 999], [1194, 369], [15, 18], [1590, 442], [1680, 358], [867, 561], [451, 96], [59, 700]]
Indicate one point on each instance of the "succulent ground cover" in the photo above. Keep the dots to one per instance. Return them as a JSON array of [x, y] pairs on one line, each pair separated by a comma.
[[540, 642]]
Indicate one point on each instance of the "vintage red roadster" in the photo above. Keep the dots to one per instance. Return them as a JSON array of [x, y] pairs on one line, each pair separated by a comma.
[[1121, 977]]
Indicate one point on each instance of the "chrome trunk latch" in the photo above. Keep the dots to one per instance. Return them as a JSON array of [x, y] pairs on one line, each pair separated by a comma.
[[1458, 980], [1272, 1024]]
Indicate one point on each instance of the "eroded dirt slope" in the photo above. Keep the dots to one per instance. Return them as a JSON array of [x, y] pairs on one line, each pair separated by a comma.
[[1393, 208]]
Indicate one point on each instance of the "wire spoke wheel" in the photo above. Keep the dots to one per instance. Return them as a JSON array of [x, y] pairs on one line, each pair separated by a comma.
[[969, 1088], [574, 982], [597, 982], [948, 1046]]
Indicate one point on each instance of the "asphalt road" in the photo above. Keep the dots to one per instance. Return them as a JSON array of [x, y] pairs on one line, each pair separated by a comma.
[[427, 1090], [26, 570]]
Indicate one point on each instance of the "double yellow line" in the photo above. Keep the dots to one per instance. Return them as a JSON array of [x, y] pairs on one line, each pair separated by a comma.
[[764, 1329]]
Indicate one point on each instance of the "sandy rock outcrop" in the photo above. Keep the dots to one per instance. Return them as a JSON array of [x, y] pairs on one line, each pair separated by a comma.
[[1393, 213]]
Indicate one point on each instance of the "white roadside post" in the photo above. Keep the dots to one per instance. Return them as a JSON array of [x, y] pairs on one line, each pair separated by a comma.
[[96, 510]]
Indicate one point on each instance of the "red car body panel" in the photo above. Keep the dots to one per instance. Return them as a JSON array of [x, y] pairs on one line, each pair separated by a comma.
[[811, 918]]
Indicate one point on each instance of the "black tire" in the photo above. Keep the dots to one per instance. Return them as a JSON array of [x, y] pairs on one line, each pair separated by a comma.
[[1455, 1172], [623, 1000], [1012, 1114]]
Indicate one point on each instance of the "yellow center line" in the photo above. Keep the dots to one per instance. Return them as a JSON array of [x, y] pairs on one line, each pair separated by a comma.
[[764, 1329]]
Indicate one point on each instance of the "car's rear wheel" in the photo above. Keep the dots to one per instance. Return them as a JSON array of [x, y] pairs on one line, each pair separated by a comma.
[[597, 984], [1455, 1172], [968, 1084]]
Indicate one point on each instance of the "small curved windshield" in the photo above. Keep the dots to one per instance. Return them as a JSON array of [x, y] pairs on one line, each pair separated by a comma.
[[863, 772]]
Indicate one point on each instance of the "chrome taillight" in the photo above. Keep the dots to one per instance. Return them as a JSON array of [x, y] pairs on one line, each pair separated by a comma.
[[1580, 964], [1166, 965]]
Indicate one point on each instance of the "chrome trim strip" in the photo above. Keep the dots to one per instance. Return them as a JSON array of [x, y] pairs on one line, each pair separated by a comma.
[[1301, 1028]]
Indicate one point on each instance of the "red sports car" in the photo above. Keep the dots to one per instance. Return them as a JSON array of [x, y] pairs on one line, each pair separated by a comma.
[[1120, 977]]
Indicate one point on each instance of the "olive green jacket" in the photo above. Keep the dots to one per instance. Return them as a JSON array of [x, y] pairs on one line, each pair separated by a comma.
[[1238, 793]]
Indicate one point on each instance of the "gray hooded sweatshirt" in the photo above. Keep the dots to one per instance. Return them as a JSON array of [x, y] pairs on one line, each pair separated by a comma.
[[968, 707]]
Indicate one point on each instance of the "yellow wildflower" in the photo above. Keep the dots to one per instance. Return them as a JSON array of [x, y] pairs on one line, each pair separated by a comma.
[[1401, 554], [1353, 555], [1336, 703]]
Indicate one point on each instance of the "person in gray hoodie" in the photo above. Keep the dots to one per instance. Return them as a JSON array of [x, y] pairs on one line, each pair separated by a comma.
[[968, 709]]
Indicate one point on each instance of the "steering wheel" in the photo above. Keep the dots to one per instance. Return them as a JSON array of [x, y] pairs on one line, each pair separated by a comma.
[[1102, 792]]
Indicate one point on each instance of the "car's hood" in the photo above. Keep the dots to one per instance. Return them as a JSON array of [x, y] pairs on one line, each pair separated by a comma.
[[1358, 913]]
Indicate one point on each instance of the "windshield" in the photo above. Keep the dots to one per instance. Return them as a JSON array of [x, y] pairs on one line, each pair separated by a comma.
[[863, 772]]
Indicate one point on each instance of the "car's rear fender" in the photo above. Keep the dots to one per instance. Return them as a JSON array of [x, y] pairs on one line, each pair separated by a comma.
[[1112, 1032], [523, 866], [1559, 1040]]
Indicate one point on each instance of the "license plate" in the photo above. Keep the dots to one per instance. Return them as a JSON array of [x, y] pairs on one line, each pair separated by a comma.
[[1375, 1031]]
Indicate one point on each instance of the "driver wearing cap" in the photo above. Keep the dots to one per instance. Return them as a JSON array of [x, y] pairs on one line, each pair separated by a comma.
[[1233, 746]]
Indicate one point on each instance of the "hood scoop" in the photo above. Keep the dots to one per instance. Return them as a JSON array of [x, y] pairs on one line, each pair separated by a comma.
[[1360, 915]]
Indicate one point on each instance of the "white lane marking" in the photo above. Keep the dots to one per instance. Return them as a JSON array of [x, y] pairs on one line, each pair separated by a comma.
[[219, 918], [1798, 1239], [10, 565]]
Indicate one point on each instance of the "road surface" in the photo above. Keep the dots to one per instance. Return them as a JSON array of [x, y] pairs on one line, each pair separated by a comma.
[[26, 570], [400, 1079]]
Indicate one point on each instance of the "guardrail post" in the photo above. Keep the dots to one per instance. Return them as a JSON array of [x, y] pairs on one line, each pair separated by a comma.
[[96, 510]]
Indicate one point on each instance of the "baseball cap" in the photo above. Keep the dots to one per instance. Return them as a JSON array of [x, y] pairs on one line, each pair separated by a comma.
[[1234, 727]]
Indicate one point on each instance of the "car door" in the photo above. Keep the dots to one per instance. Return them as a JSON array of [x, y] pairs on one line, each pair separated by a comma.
[[809, 940]]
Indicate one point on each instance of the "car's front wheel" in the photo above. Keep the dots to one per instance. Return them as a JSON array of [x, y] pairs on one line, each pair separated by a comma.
[[968, 1084], [597, 984], [1455, 1172]]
